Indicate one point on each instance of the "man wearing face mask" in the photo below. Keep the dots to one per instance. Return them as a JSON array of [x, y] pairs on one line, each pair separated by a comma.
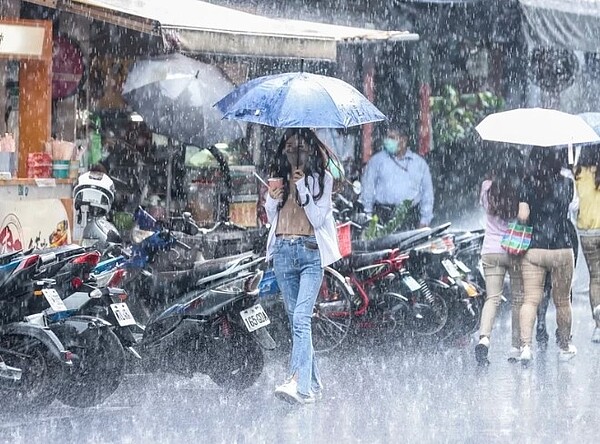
[[394, 175]]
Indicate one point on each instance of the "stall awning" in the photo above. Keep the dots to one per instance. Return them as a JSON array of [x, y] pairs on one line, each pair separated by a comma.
[[199, 27], [571, 24]]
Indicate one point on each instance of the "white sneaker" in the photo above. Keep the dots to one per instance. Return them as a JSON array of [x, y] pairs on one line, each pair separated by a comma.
[[526, 355], [596, 335], [566, 354], [289, 392], [481, 351], [514, 354]]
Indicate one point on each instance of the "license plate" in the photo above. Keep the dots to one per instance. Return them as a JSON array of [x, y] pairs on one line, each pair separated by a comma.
[[255, 318], [450, 268], [460, 264], [411, 283], [122, 314], [56, 303]]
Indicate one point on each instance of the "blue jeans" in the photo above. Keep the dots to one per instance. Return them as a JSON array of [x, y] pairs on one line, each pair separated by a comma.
[[297, 266]]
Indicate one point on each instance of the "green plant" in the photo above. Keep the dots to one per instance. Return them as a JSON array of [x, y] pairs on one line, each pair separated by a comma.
[[455, 115], [375, 230]]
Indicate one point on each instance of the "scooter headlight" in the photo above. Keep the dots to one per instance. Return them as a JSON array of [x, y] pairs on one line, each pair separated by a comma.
[[138, 235]]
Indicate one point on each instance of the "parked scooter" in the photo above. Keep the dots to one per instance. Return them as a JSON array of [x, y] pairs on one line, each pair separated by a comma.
[[204, 319], [434, 266], [37, 354], [96, 356]]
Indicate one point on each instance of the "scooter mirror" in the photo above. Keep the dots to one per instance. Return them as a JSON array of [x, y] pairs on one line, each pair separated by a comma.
[[191, 228], [357, 187]]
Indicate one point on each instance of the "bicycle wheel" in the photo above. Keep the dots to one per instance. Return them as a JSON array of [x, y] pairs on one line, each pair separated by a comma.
[[332, 315]]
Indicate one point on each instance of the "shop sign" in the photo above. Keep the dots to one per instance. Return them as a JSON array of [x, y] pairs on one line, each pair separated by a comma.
[[21, 40]]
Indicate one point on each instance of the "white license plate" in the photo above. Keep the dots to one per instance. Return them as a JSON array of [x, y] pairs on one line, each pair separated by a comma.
[[450, 268], [460, 264], [255, 318], [411, 283], [122, 313], [56, 303]]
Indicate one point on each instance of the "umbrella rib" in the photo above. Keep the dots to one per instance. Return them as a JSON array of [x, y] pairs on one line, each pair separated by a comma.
[[285, 93], [318, 80]]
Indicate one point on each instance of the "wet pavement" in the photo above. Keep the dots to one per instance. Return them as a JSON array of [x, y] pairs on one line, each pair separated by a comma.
[[373, 394]]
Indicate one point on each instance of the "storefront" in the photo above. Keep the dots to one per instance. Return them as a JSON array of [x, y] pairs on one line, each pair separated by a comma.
[[26, 67], [109, 36]]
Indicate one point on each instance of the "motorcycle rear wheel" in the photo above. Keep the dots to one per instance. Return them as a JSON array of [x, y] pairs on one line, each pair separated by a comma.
[[332, 314], [40, 378], [99, 367], [239, 364]]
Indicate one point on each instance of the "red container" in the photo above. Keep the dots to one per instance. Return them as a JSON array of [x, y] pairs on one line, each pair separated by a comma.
[[344, 235], [39, 165]]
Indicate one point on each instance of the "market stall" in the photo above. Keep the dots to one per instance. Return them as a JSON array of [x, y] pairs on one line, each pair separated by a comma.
[[35, 208]]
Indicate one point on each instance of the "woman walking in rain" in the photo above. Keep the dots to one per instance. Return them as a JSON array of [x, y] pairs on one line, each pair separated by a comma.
[[587, 181], [302, 241], [544, 205], [500, 199]]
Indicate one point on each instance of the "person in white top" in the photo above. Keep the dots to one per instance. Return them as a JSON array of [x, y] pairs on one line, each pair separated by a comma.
[[302, 241]]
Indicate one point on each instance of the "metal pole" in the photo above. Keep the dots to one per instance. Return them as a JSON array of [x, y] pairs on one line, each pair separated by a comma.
[[169, 177]]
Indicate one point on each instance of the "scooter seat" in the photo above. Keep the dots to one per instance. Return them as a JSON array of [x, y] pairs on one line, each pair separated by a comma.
[[62, 252], [185, 279], [218, 265], [363, 259], [7, 258], [394, 240]]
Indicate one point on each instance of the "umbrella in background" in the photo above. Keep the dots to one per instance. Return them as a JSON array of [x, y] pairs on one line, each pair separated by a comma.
[[592, 119], [174, 94], [536, 126], [299, 100]]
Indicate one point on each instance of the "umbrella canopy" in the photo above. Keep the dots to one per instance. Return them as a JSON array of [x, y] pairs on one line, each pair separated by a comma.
[[536, 126], [174, 94], [592, 119], [299, 100]]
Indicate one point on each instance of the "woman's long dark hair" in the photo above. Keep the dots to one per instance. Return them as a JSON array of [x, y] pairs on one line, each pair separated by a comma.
[[506, 176], [545, 165], [316, 165], [590, 157]]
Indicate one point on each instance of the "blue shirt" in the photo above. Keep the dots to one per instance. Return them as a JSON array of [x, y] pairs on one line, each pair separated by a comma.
[[391, 180]]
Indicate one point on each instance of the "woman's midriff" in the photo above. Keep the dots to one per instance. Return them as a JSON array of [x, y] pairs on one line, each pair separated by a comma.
[[292, 219]]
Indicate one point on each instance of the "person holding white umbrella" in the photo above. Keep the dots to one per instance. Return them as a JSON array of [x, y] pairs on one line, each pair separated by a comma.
[[545, 205]]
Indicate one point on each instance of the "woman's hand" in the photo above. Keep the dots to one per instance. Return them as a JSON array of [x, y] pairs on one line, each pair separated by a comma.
[[276, 193], [523, 214], [298, 174]]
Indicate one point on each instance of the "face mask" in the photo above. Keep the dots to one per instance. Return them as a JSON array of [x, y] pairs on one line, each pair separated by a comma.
[[391, 145], [296, 160]]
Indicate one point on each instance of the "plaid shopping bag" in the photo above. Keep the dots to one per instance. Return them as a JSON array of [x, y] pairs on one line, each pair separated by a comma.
[[517, 238]]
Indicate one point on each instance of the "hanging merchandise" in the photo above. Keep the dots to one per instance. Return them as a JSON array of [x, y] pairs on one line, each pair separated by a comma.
[[95, 149]]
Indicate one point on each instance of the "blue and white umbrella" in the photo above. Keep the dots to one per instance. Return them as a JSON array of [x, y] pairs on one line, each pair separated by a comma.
[[299, 100]]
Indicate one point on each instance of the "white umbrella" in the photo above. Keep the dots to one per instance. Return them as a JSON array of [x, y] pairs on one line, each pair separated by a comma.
[[536, 126]]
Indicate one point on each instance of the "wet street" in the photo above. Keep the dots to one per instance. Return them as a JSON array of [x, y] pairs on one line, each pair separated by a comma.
[[373, 394]]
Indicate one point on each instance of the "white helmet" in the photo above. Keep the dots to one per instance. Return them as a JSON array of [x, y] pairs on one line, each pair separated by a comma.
[[94, 189]]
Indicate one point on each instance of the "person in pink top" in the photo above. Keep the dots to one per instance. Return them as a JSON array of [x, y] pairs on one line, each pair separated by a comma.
[[500, 199]]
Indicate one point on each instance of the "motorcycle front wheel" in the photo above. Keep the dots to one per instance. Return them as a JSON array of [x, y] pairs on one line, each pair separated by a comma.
[[40, 374], [99, 364], [239, 361]]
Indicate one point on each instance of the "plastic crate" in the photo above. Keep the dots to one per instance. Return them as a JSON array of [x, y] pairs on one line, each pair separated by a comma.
[[344, 235]]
